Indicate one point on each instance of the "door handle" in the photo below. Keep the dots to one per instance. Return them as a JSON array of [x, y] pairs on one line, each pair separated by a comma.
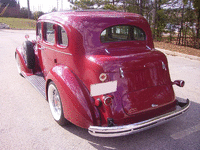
[[41, 48]]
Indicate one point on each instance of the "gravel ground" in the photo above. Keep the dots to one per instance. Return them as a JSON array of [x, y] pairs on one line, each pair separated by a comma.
[[177, 48], [4, 26]]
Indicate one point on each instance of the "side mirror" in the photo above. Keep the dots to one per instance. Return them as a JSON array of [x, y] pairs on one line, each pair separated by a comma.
[[179, 83]]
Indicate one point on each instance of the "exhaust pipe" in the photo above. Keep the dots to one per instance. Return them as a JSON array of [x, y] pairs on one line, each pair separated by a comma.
[[179, 83]]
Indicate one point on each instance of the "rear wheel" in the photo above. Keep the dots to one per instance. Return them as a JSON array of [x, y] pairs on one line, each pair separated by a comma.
[[56, 104]]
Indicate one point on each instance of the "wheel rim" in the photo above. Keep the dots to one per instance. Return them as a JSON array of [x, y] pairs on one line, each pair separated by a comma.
[[18, 64], [54, 102]]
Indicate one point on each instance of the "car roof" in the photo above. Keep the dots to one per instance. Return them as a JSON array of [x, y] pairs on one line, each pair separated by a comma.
[[90, 24], [68, 16]]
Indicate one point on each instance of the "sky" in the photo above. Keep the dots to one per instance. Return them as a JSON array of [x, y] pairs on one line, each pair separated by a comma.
[[45, 5]]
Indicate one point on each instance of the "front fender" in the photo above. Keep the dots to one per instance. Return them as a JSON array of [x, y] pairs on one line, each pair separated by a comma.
[[78, 106], [25, 71]]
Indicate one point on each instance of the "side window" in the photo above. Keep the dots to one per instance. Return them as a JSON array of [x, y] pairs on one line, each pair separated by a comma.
[[49, 32], [122, 33], [39, 30], [62, 37]]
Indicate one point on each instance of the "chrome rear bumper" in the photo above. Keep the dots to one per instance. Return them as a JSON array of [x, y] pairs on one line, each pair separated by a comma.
[[116, 131]]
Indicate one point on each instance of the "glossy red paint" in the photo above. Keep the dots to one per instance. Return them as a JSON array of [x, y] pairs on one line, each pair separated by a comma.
[[78, 106], [25, 71], [144, 88]]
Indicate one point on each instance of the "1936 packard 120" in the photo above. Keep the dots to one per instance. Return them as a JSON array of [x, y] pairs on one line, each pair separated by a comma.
[[100, 71]]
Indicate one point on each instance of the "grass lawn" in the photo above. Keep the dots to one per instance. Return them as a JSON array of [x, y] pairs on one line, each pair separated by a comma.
[[18, 23]]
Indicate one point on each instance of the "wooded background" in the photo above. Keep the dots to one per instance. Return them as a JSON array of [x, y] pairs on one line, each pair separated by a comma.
[[174, 21]]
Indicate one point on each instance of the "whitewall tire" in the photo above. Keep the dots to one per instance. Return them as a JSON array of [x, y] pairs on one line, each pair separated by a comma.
[[55, 104]]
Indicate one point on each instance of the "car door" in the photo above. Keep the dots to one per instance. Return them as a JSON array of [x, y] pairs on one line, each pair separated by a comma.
[[47, 47], [38, 43]]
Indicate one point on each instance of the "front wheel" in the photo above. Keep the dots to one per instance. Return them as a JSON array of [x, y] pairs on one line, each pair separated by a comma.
[[56, 104]]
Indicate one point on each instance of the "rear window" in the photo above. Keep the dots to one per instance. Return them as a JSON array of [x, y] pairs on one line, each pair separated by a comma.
[[122, 33]]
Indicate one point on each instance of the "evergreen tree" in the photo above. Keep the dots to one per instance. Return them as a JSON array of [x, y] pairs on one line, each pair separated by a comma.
[[196, 4], [12, 3]]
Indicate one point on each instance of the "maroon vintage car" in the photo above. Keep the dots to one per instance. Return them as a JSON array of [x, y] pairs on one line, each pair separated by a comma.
[[100, 71]]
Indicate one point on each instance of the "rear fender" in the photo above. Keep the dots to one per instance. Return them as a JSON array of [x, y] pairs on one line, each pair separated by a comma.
[[78, 106]]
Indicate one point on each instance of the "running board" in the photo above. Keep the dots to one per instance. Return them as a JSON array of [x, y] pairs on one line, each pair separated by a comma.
[[38, 82]]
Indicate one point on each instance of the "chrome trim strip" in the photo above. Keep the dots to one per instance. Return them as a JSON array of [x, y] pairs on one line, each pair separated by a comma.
[[107, 51], [116, 131], [121, 72], [41, 48], [148, 47], [57, 51]]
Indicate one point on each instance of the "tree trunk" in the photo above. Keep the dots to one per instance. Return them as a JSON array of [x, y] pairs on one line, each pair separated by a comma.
[[182, 23], [141, 7], [170, 36], [159, 32], [29, 14], [57, 5], [198, 24], [198, 27], [61, 5], [154, 19]]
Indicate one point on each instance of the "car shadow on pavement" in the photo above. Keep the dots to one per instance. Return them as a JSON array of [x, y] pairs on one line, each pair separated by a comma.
[[182, 133]]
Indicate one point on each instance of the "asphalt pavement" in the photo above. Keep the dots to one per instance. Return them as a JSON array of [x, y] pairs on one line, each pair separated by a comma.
[[26, 121]]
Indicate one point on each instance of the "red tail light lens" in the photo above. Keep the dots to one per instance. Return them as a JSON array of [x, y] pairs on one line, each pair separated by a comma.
[[102, 77], [26, 36], [98, 102]]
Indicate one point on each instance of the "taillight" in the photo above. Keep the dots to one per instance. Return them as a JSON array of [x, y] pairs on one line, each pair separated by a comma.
[[26, 36], [103, 77], [107, 100], [98, 102]]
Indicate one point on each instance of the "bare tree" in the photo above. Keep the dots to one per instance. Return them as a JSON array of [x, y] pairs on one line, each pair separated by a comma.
[[28, 9]]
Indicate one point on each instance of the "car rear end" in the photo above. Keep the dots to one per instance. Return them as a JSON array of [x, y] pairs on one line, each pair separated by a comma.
[[129, 80]]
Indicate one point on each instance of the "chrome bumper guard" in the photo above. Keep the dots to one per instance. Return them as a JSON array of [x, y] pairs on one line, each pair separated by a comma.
[[116, 131]]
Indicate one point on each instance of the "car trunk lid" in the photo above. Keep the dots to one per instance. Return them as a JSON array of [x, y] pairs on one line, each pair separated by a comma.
[[143, 81]]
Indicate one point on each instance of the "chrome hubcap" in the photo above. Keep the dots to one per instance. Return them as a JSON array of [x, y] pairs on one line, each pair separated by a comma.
[[54, 102]]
